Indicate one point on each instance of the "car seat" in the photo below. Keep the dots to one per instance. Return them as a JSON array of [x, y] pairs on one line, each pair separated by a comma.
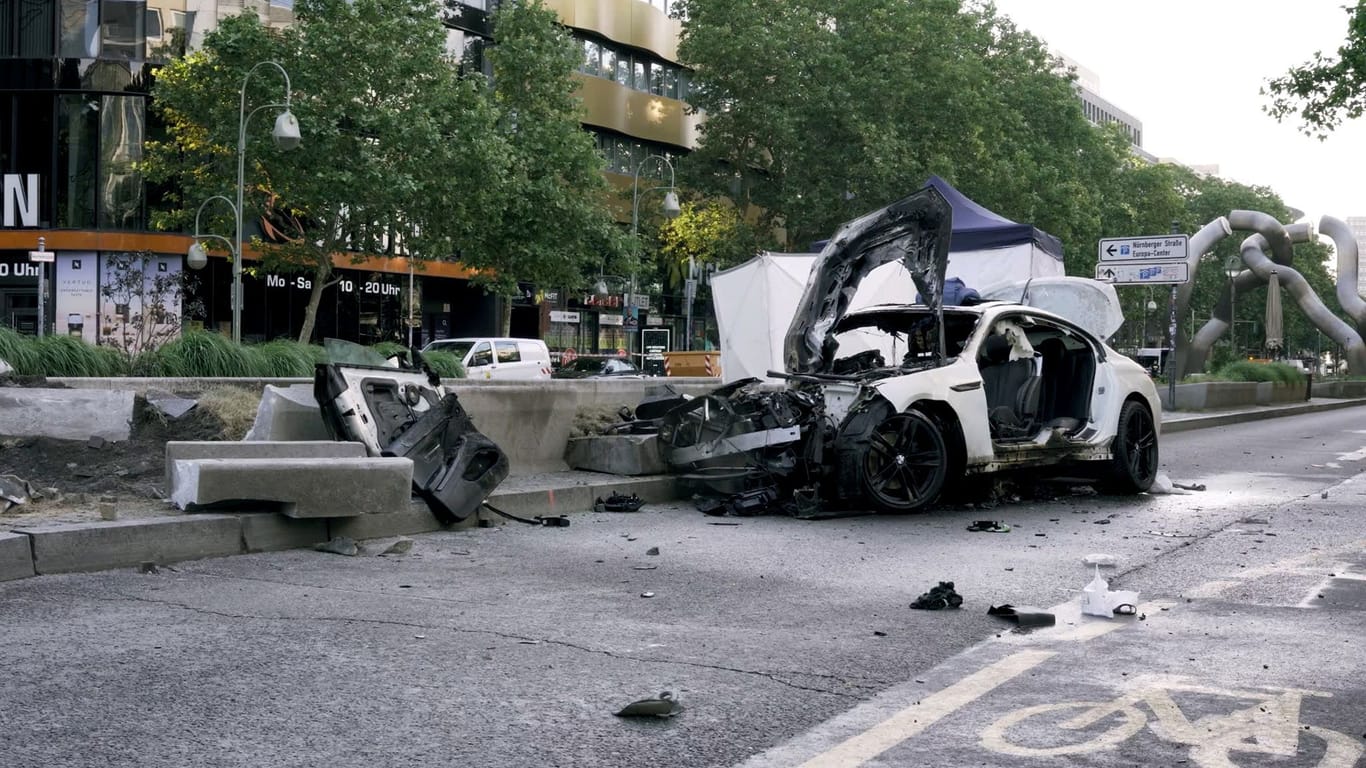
[[1011, 388]]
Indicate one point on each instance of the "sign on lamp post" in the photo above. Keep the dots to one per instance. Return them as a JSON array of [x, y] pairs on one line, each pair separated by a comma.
[[42, 258]]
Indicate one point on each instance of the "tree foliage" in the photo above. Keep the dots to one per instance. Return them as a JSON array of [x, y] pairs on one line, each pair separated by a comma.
[[1325, 90], [403, 152]]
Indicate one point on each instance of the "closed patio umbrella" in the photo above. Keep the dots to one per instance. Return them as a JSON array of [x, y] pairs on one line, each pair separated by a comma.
[[1275, 327]]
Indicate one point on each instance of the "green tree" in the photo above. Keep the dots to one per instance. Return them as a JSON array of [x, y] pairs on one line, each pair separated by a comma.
[[404, 152], [399, 154], [842, 106], [556, 224], [1325, 90]]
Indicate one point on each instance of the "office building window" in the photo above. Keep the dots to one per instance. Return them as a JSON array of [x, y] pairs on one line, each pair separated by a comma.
[[26, 28], [80, 36], [123, 27], [78, 130], [634, 70], [592, 58], [121, 132]]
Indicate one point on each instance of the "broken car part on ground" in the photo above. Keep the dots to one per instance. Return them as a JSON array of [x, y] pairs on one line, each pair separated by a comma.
[[891, 405]]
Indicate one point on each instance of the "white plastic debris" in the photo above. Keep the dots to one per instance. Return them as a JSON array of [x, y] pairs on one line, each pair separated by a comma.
[[1098, 600], [1100, 559], [1163, 484]]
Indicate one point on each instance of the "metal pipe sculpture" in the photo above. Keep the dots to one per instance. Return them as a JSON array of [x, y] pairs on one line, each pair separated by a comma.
[[1201, 242], [1260, 267], [1346, 245]]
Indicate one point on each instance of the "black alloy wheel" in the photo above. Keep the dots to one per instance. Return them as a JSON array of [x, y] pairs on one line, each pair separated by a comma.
[[1134, 464], [906, 464]]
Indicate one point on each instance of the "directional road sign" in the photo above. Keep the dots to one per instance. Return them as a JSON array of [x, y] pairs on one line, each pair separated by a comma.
[[1150, 248], [1145, 273]]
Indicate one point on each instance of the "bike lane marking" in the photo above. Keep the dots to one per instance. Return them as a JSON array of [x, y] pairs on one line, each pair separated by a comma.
[[911, 711]]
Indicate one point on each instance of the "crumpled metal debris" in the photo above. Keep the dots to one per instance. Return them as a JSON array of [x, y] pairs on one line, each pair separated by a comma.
[[664, 705], [14, 490]]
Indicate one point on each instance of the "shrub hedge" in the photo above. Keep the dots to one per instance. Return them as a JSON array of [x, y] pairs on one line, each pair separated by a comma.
[[195, 354], [1244, 370]]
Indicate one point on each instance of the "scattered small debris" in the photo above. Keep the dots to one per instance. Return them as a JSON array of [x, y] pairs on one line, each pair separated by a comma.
[[938, 598], [401, 547], [1102, 521], [1098, 600], [647, 594], [148, 567], [1100, 559], [641, 567], [652, 551], [96, 443], [665, 705], [1323, 495], [719, 523], [989, 526], [1189, 486], [340, 545], [879, 633], [1164, 484], [618, 503], [420, 637], [1023, 615], [14, 491], [1254, 521], [1170, 535]]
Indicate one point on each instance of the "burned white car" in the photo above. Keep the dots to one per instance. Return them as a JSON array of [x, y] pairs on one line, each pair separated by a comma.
[[890, 405]]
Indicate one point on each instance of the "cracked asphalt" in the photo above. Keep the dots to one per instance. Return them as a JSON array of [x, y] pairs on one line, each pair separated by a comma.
[[513, 646]]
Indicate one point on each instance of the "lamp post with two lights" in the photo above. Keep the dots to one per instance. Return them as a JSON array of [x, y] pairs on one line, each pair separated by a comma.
[[670, 209]]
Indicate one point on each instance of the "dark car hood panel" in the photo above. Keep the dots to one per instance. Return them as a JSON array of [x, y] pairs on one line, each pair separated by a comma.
[[915, 230]]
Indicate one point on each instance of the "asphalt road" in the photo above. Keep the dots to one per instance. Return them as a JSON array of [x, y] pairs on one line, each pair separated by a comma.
[[788, 642]]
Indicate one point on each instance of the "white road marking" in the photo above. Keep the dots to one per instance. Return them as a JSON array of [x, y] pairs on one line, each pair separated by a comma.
[[916, 718]]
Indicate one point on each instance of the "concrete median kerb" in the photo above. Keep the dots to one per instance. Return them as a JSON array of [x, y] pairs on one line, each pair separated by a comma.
[[98, 545]]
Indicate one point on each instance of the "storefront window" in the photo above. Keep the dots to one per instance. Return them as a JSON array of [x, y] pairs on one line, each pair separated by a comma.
[[77, 150]]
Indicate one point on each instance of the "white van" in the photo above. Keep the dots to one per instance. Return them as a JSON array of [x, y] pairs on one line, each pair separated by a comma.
[[504, 359]]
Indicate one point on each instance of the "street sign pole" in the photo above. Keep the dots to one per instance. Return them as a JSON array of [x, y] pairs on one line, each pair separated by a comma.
[[1172, 373], [41, 257]]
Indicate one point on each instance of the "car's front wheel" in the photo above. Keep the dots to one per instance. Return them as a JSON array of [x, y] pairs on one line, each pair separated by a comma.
[[906, 465], [1133, 463]]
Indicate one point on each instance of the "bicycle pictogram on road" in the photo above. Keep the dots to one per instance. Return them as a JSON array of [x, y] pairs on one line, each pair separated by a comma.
[[1263, 722]]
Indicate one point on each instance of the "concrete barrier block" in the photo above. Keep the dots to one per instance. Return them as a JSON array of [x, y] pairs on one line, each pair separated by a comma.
[[66, 414], [327, 487], [269, 532], [71, 547], [616, 454], [16, 557], [288, 413], [415, 519], [184, 450]]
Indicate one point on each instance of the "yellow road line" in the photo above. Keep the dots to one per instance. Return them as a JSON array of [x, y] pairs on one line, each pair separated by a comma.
[[930, 710]]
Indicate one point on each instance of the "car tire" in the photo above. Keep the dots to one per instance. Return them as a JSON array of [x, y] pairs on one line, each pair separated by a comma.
[[906, 465], [1133, 464]]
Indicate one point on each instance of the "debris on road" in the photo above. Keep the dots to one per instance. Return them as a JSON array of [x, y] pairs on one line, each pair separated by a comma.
[[1163, 484], [647, 594], [401, 547], [1024, 616], [618, 502], [14, 491], [665, 705], [989, 526], [169, 405], [652, 551], [148, 567], [1100, 559], [1098, 600], [938, 598], [340, 545]]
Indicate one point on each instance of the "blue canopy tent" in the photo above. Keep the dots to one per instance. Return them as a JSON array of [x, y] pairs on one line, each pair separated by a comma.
[[987, 248]]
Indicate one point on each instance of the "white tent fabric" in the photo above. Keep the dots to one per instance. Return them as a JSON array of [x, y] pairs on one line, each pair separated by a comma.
[[755, 302]]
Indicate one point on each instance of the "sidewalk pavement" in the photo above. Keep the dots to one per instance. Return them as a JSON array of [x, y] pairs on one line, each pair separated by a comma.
[[161, 534]]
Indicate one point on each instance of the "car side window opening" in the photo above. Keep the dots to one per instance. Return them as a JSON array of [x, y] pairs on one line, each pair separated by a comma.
[[482, 355], [507, 352], [617, 366]]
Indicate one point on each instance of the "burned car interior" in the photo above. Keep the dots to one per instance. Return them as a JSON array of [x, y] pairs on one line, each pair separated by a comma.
[[1035, 376]]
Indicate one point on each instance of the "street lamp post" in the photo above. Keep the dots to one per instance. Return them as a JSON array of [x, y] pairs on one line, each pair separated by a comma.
[[670, 209], [286, 136], [1232, 268], [196, 258]]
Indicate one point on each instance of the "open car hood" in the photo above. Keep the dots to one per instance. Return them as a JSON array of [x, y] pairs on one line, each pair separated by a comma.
[[914, 230]]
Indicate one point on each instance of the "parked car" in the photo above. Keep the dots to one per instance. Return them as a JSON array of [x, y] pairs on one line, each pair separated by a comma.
[[598, 367], [493, 358], [888, 406]]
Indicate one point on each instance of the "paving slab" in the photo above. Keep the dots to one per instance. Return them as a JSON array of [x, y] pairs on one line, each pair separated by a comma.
[[182, 450], [72, 547], [66, 414], [288, 413], [325, 487], [16, 557]]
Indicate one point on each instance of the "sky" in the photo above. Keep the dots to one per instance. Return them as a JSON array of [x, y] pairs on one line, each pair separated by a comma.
[[1191, 71]]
